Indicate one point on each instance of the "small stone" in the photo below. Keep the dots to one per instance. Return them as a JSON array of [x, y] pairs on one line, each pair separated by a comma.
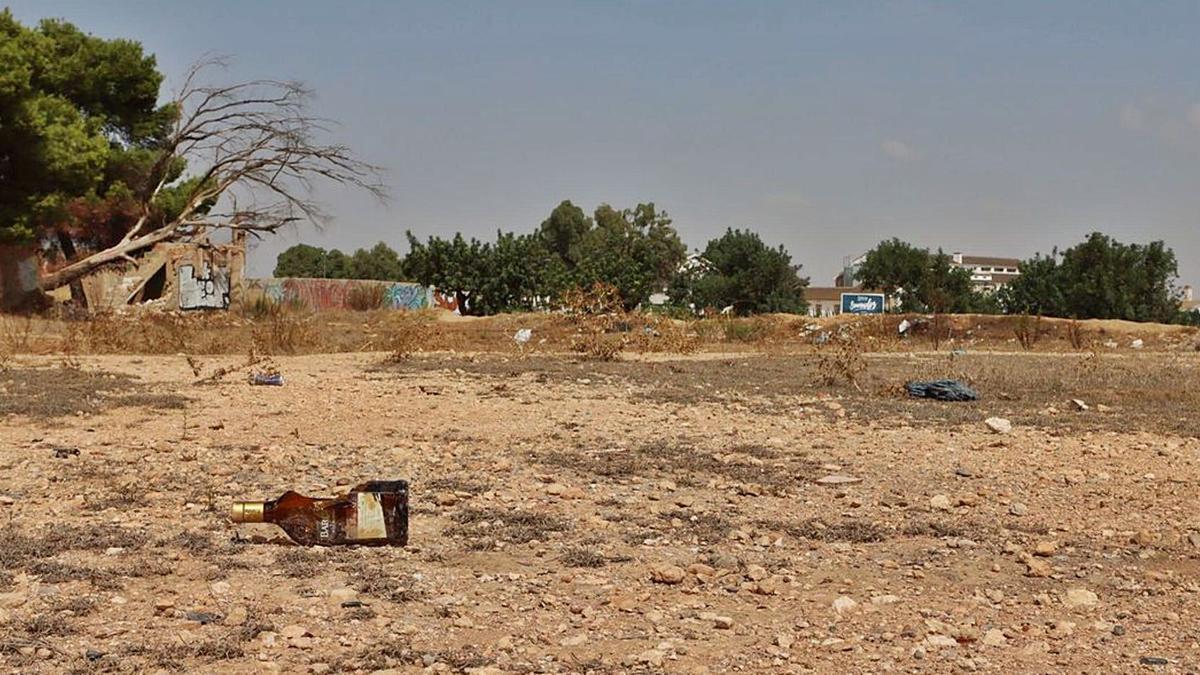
[[994, 638], [6, 500], [1045, 549], [220, 587], [837, 479], [1194, 539], [1064, 629], [1036, 567], [202, 618], [574, 640], [718, 621], [1018, 509], [464, 622], [293, 631], [236, 616], [940, 502], [446, 499], [998, 425], [555, 489], [573, 492], [1145, 538], [12, 600], [663, 573], [1153, 661], [319, 668], [114, 550], [340, 596], [163, 604], [844, 604], [941, 641], [1080, 597], [652, 657], [1118, 630], [756, 572], [885, 599], [784, 641]]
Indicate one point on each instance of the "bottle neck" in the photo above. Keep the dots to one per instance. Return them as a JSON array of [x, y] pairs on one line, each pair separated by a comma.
[[249, 512]]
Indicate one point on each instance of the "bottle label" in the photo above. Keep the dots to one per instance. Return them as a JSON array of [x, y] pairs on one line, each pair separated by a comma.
[[369, 521]]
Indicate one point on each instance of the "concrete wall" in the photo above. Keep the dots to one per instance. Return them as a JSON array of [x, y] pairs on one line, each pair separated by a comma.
[[327, 294]]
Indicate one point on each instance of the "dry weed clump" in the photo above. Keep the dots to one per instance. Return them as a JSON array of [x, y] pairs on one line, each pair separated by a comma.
[[1076, 335], [285, 333], [1028, 330], [840, 359], [654, 333], [406, 334], [14, 338], [366, 297], [599, 319]]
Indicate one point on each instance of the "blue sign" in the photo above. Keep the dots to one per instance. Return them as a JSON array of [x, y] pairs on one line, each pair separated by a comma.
[[862, 303]]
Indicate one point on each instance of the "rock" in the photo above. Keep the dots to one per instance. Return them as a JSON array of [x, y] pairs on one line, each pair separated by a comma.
[[1153, 661], [994, 638], [652, 657], [162, 604], [6, 500], [202, 618], [573, 492], [1045, 549], [1018, 509], [718, 621], [756, 572], [998, 425], [93, 655], [1118, 630], [340, 596], [701, 570], [220, 587], [555, 489], [574, 640], [236, 616], [885, 599], [663, 573], [446, 499], [1145, 538], [940, 502], [844, 604], [1194, 539], [1064, 629], [941, 641], [293, 631], [784, 641], [319, 668], [837, 479], [1080, 597], [12, 600], [1036, 567]]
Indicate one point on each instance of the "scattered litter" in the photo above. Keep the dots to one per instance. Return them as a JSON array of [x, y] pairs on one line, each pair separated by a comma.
[[523, 335], [65, 453], [1080, 405], [1154, 661], [837, 479], [998, 425], [267, 379], [374, 512], [942, 390], [430, 389], [1137, 344], [903, 327]]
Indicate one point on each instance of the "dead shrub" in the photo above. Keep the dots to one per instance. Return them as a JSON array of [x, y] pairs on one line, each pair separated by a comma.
[[488, 527], [366, 297], [284, 333], [660, 334], [407, 334], [1077, 336], [14, 338], [840, 359], [598, 316], [1028, 330]]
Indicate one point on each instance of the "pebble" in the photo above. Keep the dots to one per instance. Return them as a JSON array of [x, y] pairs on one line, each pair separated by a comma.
[[339, 596], [837, 479], [998, 425], [1018, 509], [236, 616], [844, 604], [446, 499], [994, 638], [940, 502], [1045, 549], [663, 573], [1080, 597]]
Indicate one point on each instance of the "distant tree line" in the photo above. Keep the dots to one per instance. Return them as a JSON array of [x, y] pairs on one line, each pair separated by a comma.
[[1099, 278], [636, 250]]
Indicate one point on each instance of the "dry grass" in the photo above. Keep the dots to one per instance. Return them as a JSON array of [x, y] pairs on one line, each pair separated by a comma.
[[487, 529], [48, 393], [840, 360]]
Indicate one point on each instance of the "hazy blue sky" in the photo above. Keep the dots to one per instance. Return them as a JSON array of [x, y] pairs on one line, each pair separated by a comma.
[[996, 128]]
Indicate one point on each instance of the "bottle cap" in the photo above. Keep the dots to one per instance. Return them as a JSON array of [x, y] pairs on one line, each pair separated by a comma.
[[246, 512]]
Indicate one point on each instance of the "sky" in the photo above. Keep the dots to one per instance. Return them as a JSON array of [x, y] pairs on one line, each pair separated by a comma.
[[991, 128]]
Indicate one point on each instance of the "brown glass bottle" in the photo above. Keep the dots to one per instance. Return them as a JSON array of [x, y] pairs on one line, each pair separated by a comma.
[[373, 513]]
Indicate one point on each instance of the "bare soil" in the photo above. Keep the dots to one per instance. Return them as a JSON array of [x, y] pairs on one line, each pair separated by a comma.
[[656, 513]]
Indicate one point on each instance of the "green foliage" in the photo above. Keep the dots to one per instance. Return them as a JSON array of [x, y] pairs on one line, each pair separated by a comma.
[[78, 122], [923, 281], [1100, 278], [745, 274], [564, 230], [380, 262], [301, 260]]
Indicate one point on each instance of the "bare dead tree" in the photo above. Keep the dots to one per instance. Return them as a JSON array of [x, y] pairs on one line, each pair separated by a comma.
[[253, 155]]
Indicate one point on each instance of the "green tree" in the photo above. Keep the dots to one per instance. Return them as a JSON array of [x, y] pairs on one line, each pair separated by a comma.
[[301, 260], [563, 231], [1037, 290], [379, 262], [455, 266], [79, 125], [944, 287], [896, 268], [337, 265], [745, 274], [520, 274]]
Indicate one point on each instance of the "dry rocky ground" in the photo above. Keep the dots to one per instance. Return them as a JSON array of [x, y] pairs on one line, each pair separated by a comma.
[[702, 514]]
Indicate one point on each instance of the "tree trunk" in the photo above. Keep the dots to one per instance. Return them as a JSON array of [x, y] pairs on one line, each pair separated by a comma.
[[81, 268]]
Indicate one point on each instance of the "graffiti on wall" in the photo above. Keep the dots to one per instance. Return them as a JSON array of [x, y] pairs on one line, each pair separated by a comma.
[[207, 290], [327, 294]]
